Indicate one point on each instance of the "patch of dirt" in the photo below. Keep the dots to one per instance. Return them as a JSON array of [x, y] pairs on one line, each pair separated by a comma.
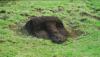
[[90, 15], [13, 26], [58, 9], [38, 9], [24, 14], [4, 16], [74, 30]]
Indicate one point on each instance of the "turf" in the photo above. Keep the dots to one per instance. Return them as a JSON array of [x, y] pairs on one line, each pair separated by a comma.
[[15, 43]]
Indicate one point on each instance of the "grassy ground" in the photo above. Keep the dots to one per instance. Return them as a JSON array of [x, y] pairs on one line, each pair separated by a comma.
[[14, 14]]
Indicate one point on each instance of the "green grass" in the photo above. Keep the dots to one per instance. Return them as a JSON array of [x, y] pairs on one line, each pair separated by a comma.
[[14, 43]]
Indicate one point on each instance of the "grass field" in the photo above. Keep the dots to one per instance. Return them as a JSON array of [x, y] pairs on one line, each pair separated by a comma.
[[80, 15]]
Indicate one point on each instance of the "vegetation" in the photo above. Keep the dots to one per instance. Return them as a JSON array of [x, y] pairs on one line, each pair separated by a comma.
[[75, 14]]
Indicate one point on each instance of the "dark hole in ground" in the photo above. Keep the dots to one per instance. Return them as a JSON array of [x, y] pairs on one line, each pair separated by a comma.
[[48, 27]]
